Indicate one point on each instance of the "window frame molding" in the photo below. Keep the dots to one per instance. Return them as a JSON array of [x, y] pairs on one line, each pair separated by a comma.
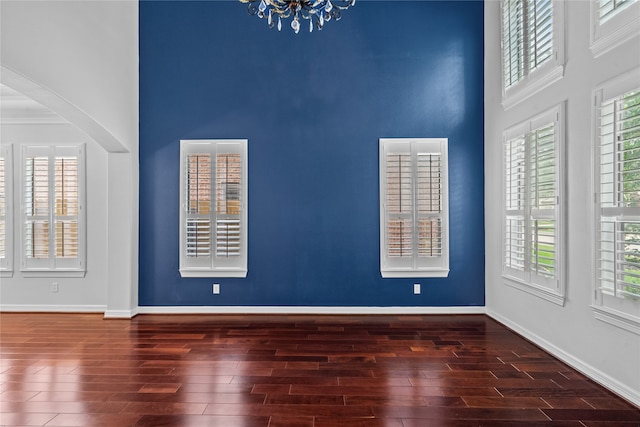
[[621, 27], [536, 80], [211, 270], [443, 269], [53, 270], [607, 308], [523, 281], [7, 266]]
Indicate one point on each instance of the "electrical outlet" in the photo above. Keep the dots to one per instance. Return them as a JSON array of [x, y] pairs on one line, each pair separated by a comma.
[[216, 288], [416, 288], [54, 287]]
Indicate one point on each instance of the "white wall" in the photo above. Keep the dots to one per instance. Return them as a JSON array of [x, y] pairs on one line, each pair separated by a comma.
[[85, 51], [74, 294], [608, 354], [80, 59]]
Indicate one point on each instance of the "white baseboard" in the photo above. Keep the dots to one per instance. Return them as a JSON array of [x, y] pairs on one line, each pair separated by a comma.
[[595, 374], [119, 314], [127, 314], [306, 310], [46, 308]]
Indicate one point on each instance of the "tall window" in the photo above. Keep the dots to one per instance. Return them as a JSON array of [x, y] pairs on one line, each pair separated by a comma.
[[6, 210], [532, 244], [532, 46], [213, 214], [414, 208], [53, 209], [613, 22], [617, 154]]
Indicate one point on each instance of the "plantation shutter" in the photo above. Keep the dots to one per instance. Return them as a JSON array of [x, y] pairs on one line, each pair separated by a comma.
[[66, 206], [36, 207], [229, 204], [618, 226], [527, 37], [198, 206], [414, 225], [3, 214], [543, 199], [6, 225], [531, 233], [513, 41], [429, 203], [399, 203], [52, 208], [213, 214], [540, 28], [515, 198]]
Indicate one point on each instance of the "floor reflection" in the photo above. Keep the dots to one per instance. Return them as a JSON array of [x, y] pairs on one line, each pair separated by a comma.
[[269, 371]]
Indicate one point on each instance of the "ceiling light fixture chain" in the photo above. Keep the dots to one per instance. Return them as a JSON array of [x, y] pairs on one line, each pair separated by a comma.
[[317, 12]]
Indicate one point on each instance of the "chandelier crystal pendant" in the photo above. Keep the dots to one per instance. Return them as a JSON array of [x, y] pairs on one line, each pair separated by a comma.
[[317, 12]]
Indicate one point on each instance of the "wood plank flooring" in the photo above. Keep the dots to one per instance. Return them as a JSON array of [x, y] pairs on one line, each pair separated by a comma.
[[277, 371]]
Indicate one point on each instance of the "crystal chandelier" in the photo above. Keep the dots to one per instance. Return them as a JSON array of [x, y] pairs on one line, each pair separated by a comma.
[[317, 12]]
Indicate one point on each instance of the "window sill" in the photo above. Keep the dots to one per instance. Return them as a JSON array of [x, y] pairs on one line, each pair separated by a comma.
[[527, 88], [53, 273], [6, 273], [440, 272], [609, 40], [617, 318], [240, 273], [539, 291]]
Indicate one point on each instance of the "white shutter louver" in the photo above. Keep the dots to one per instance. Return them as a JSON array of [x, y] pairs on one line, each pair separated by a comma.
[[543, 200], [513, 41], [228, 203], [198, 225], [66, 203], [514, 240], [36, 191], [3, 213], [399, 205], [413, 215], [540, 27], [399, 238], [52, 199], [618, 232], [429, 180], [213, 217], [6, 210]]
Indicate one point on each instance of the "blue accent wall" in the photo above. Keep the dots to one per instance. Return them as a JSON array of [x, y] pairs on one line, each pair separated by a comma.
[[313, 107]]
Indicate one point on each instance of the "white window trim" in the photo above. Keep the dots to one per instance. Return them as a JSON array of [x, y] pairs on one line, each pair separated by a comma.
[[615, 317], [543, 76], [212, 270], [6, 266], [53, 270], [442, 267], [522, 280], [621, 27], [623, 313]]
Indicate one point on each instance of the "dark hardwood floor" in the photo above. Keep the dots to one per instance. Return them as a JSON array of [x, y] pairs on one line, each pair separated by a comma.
[[275, 371]]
